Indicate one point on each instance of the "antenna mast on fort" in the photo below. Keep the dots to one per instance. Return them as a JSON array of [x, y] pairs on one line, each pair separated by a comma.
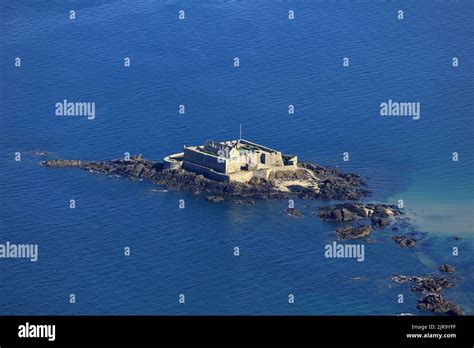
[[240, 138]]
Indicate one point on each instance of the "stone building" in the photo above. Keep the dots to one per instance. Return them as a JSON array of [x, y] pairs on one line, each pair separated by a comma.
[[234, 160]]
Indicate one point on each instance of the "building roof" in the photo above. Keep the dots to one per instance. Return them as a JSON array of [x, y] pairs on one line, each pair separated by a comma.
[[214, 147]]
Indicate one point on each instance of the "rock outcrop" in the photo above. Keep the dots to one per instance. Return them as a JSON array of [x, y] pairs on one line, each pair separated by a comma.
[[61, 163], [438, 304], [333, 184], [446, 268], [348, 232], [379, 222], [369, 215], [293, 212], [215, 198], [379, 213], [425, 284], [431, 288], [336, 214], [405, 241], [243, 201], [342, 186]]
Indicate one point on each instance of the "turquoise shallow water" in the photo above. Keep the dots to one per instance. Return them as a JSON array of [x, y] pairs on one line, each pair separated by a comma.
[[282, 62]]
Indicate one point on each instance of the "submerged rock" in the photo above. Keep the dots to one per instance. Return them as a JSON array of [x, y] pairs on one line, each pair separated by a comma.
[[215, 198], [455, 238], [243, 201], [438, 304], [348, 232], [359, 278], [41, 153], [404, 241], [293, 212], [446, 268], [379, 222], [425, 284]]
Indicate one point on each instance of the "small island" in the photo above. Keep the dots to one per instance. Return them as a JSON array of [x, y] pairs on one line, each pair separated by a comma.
[[233, 168]]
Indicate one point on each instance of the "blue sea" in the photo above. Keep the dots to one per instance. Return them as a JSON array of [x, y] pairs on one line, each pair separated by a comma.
[[190, 62]]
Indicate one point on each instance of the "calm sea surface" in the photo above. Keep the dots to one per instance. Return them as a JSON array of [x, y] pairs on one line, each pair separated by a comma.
[[189, 62]]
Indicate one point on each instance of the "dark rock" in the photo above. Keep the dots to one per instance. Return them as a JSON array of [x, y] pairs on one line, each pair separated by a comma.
[[404, 241], [243, 201], [347, 215], [358, 209], [336, 185], [215, 198], [137, 169], [438, 304], [379, 213], [59, 163], [302, 191], [446, 268], [293, 212], [379, 222], [336, 214], [348, 232], [426, 284], [430, 285]]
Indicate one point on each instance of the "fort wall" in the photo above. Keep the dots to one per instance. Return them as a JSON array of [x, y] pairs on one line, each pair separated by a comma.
[[243, 176], [205, 171], [204, 159]]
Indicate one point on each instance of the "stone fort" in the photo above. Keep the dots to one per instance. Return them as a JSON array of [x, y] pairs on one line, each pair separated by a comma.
[[234, 160]]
